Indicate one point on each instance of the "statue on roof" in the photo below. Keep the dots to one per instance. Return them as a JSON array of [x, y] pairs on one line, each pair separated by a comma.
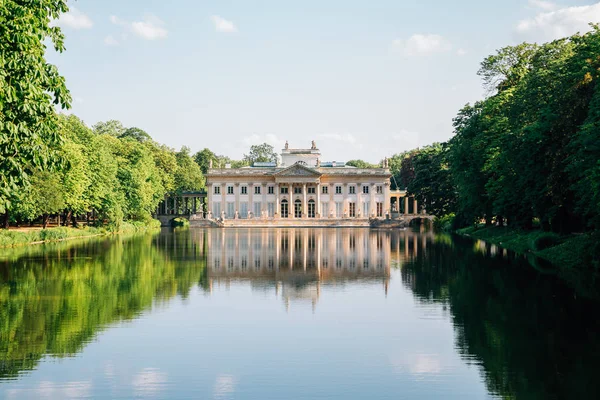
[[313, 145], [287, 146]]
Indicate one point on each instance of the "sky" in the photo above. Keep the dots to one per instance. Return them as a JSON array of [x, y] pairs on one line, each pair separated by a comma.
[[363, 79]]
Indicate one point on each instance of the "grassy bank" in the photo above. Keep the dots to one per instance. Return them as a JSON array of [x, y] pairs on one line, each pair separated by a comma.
[[570, 251], [21, 237]]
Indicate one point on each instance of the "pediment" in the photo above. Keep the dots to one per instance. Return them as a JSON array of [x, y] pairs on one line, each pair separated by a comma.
[[298, 170]]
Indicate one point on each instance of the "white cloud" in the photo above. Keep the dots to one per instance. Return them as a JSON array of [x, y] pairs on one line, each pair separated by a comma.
[[150, 28], [111, 41], [223, 25], [559, 23], [75, 19], [422, 44], [461, 52], [543, 5]]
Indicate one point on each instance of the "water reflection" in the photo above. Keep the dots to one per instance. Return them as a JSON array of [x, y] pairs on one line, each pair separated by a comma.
[[528, 334]]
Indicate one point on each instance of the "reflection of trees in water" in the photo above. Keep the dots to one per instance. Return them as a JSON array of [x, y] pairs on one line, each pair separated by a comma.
[[533, 336], [55, 300]]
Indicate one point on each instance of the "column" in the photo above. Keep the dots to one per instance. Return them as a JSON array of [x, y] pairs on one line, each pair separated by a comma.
[[358, 208], [319, 200], [345, 210], [209, 190], [237, 199], [304, 202], [387, 200], [277, 200], [251, 199], [291, 201], [373, 203], [415, 206], [223, 199], [263, 205], [331, 201], [398, 205]]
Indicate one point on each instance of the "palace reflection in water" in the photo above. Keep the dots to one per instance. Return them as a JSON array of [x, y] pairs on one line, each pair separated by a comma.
[[295, 262]]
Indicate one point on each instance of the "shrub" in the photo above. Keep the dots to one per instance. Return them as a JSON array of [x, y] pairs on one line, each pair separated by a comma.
[[445, 223], [180, 223]]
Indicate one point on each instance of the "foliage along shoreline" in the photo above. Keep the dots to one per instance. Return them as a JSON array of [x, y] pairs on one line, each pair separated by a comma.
[[562, 251], [13, 238]]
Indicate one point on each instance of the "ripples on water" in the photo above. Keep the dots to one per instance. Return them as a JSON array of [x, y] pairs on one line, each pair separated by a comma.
[[289, 313]]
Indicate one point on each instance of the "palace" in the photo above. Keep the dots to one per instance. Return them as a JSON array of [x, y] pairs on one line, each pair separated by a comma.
[[301, 187]]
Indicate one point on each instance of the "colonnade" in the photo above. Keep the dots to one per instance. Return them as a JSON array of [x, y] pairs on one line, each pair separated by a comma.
[[185, 204]]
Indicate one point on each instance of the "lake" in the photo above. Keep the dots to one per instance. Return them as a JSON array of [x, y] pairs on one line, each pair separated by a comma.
[[290, 314]]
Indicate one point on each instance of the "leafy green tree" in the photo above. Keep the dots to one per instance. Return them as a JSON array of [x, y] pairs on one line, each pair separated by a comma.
[[432, 184], [113, 128], [137, 134], [188, 176], [260, 153], [46, 196], [30, 88], [360, 164], [204, 157]]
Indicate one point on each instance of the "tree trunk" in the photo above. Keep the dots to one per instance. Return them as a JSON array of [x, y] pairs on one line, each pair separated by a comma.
[[68, 217], [45, 221], [87, 218], [6, 220], [73, 220]]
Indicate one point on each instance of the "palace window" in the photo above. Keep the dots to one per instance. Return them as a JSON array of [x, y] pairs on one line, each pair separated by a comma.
[[352, 189], [352, 210], [284, 190], [217, 189], [229, 189], [380, 209], [338, 190], [365, 189], [297, 190], [311, 190], [325, 189], [256, 189], [379, 189], [271, 189], [244, 189]]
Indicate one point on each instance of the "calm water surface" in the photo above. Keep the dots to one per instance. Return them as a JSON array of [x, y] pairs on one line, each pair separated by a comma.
[[290, 314]]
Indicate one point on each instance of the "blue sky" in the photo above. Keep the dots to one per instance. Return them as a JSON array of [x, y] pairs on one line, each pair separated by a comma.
[[364, 79]]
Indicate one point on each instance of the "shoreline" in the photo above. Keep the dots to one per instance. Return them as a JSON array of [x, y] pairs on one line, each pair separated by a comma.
[[33, 237], [561, 251]]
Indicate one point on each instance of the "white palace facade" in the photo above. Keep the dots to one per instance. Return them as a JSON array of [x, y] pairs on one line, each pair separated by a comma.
[[301, 187]]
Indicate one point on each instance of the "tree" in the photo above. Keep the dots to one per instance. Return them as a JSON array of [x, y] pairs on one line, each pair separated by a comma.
[[46, 195], [204, 157], [136, 134], [260, 153], [432, 184], [360, 164], [113, 128], [188, 176], [30, 88]]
